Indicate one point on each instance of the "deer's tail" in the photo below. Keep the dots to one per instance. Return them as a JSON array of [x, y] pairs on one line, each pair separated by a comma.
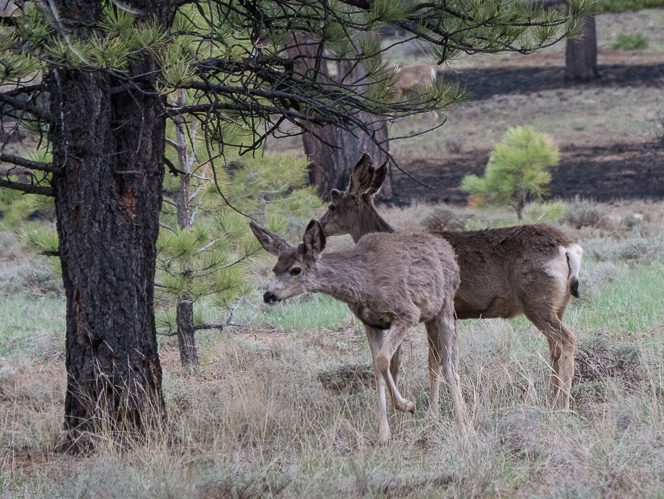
[[574, 254]]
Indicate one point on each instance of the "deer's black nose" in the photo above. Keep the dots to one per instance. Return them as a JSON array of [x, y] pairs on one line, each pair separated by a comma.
[[270, 298]]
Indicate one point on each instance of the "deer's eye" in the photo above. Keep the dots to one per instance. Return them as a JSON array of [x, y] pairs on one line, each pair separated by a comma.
[[296, 271], [330, 209]]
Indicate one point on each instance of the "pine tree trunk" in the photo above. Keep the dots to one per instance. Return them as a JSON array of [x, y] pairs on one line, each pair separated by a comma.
[[185, 310], [110, 144], [521, 204], [186, 331], [581, 55], [334, 151]]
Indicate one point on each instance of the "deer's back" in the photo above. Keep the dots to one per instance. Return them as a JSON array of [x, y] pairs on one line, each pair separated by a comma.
[[499, 265], [409, 275]]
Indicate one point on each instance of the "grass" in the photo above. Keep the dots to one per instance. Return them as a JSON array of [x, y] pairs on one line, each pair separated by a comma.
[[623, 5], [257, 421], [314, 312], [633, 41], [34, 325], [630, 307]]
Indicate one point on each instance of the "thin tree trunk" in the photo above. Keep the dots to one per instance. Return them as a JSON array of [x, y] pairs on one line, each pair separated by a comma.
[[185, 310], [581, 55], [186, 334]]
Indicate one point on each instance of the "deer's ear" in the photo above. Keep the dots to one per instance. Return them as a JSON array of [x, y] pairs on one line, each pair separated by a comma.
[[360, 179], [273, 243], [336, 194], [378, 179], [314, 239]]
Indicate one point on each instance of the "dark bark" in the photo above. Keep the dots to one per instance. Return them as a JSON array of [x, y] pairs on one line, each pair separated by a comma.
[[334, 151], [107, 201], [109, 148], [186, 334], [581, 55]]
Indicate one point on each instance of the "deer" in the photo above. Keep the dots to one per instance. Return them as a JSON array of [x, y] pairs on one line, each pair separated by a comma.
[[412, 78], [391, 283], [529, 269]]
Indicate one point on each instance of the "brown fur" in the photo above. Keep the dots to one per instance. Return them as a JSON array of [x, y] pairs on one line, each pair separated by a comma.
[[389, 281], [412, 79], [529, 269]]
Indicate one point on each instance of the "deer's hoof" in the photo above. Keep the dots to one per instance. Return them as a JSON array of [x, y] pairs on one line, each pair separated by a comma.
[[409, 407]]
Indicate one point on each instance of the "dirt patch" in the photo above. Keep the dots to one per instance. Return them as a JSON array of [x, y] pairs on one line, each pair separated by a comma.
[[541, 72], [600, 173]]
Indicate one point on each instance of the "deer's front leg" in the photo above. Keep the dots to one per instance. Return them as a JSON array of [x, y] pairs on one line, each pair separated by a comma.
[[390, 346], [376, 337]]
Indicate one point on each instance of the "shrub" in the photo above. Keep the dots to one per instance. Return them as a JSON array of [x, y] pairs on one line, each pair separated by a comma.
[[635, 41], [597, 359], [602, 273], [584, 214], [639, 249], [347, 378], [516, 170], [446, 219], [546, 212]]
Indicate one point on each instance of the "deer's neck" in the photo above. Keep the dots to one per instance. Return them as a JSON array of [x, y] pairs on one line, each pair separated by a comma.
[[341, 275], [368, 222]]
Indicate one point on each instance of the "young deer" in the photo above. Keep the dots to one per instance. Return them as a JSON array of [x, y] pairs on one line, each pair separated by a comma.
[[530, 269], [390, 282]]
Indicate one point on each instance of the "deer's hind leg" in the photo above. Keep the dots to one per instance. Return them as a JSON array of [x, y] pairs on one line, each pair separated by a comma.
[[443, 356], [376, 338], [561, 348], [385, 367]]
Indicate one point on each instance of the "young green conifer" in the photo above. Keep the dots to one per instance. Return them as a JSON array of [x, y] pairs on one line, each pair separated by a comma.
[[517, 170]]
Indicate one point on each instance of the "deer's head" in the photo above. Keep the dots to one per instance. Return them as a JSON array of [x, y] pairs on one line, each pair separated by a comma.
[[347, 209], [296, 266]]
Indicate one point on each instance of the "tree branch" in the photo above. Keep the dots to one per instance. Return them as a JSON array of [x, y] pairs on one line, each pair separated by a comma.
[[210, 326], [26, 163], [27, 188], [26, 106]]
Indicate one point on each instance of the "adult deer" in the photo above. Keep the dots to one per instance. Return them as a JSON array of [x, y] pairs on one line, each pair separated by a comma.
[[390, 282], [529, 269], [419, 77]]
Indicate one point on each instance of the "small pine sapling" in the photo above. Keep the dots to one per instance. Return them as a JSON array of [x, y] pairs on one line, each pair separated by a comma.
[[205, 244], [517, 170]]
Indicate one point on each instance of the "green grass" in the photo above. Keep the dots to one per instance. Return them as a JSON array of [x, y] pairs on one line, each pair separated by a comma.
[[31, 324], [312, 312], [626, 41], [630, 307]]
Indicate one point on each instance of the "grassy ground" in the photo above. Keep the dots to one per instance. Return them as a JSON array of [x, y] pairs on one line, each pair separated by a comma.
[[258, 419]]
